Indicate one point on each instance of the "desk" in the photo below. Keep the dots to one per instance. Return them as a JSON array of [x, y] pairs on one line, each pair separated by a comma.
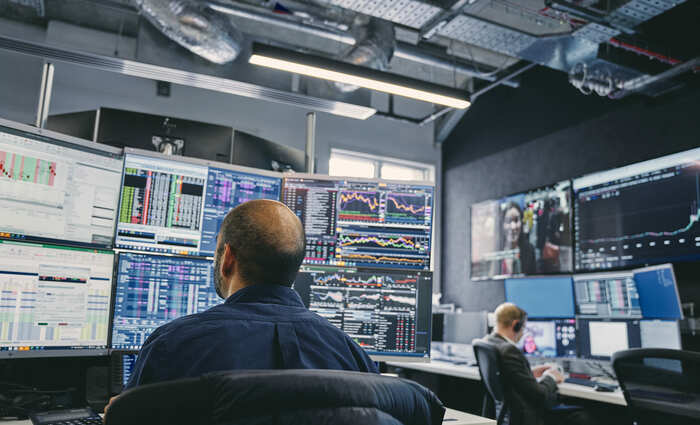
[[452, 417], [472, 372]]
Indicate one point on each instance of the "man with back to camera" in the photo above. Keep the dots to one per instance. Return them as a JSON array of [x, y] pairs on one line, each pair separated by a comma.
[[263, 323], [529, 391]]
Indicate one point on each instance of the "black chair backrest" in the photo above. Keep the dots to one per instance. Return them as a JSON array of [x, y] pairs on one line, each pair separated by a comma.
[[279, 397], [489, 360], [660, 380]]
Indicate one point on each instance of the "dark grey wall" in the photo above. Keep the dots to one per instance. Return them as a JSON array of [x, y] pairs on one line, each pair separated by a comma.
[[544, 132]]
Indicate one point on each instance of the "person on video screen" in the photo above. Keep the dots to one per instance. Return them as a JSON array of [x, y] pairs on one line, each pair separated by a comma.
[[514, 239]]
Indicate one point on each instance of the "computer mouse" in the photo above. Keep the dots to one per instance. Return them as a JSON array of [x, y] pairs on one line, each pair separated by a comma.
[[603, 389]]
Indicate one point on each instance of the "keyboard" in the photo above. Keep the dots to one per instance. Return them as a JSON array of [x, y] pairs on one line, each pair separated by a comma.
[[589, 383], [66, 417]]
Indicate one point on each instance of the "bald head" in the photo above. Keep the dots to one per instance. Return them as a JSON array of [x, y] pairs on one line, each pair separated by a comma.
[[265, 242]]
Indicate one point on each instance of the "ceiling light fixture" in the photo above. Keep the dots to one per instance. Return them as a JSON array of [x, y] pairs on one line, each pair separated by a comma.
[[341, 72]]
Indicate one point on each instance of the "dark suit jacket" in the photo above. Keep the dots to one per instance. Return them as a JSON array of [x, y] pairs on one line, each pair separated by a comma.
[[527, 398]]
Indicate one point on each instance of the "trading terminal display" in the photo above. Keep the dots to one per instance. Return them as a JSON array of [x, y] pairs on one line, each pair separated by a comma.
[[523, 234], [644, 213], [55, 191], [53, 298], [385, 312], [527, 293], [611, 294], [152, 290], [599, 339], [658, 292], [226, 189], [363, 224], [161, 205], [550, 338]]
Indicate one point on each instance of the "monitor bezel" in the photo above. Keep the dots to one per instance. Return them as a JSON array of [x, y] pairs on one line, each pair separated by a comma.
[[468, 260], [70, 352], [69, 142]]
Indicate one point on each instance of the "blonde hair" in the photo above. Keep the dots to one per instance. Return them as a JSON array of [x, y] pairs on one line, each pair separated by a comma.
[[507, 313]]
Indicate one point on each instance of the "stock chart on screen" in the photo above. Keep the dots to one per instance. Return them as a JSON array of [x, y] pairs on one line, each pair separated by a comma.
[[152, 290], [363, 224], [56, 191], [53, 299], [161, 205], [645, 213], [226, 189], [385, 312]]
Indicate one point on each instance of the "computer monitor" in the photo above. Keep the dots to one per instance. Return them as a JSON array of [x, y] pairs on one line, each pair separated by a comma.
[[162, 203], [54, 300], [388, 313], [542, 297], [57, 189], [600, 338], [523, 234], [549, 338], [226, 189], [660, 334], [152, 290], [612, 294], [658, 292], [363, 223], [644, 213]]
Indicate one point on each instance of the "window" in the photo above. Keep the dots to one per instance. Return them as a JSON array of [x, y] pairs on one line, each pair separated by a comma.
[[356, 164]]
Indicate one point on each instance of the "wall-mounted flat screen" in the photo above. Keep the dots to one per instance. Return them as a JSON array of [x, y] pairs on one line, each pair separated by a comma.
[[523, 234], [645, 213], [363, 223], [54, 190]]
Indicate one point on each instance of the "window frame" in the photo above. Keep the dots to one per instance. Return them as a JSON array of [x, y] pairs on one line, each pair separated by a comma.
[[428, 170]]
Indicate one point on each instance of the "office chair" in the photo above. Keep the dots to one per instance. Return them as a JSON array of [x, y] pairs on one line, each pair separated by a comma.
[[289, 397], [660, 385], [488, 360]]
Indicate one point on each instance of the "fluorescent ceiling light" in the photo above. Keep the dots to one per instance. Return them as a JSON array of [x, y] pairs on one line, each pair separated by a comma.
[[326, 69]]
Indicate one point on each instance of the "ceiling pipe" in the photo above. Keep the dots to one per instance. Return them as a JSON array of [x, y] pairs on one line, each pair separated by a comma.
[[403, 50]]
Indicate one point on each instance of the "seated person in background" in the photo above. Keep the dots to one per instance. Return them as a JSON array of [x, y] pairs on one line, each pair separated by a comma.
[[263, 323], [530, 392]]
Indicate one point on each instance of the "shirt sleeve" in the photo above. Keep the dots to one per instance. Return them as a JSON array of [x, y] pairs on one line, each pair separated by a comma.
[[365, 363], [144, 370], [519, 375]]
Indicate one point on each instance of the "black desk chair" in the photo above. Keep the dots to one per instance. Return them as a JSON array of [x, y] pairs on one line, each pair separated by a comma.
[[661, 386], [489, 359], [289, 397]]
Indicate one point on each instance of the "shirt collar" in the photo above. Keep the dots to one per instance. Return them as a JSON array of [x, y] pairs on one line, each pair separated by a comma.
[[266, 294], [507, 339]]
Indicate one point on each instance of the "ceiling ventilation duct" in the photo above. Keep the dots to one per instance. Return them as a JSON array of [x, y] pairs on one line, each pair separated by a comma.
[[193, 26]]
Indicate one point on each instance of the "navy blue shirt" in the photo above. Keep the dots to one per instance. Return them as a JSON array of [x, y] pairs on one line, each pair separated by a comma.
[[258, 327]]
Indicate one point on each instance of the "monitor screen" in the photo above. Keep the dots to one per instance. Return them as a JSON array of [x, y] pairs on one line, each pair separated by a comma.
[[599, 339], [660, 334], [54, 301], [363, 224], [128, 361], [388, 313], [161, 205], [152, 290], [658, 292], [549, 338], [640, 214], [57, 191], [607, 295], [542, 297], [524, 234], [226, 189]]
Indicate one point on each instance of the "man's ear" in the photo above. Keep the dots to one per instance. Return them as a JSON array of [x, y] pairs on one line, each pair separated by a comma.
[[228, 262]]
